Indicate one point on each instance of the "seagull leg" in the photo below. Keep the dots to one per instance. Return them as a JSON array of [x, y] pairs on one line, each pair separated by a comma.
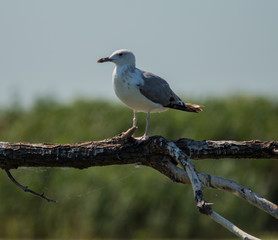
[[134, 122], [131, 131], [145, 137], [134, 118]]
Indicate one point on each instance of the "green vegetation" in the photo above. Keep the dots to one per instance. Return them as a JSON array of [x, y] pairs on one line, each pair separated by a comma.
[[132, 201]]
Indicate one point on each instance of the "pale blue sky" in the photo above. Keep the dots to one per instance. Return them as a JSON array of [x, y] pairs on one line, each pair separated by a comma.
[[201, 48]]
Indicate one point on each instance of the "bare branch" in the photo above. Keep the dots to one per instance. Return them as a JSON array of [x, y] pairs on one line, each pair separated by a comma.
[[124, 151], [231, 227], [202, 205], [156, 152], [240, 191], [176, 153], [26, 189], [177, 174], [229, 149]]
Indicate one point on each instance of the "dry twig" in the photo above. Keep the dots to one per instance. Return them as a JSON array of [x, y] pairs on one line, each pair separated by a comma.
[[26, 189]]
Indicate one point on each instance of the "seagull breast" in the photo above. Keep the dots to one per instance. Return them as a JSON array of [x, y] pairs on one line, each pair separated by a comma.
[[127, 82]]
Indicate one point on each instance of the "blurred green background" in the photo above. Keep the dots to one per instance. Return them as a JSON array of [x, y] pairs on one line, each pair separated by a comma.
[[135, 201]]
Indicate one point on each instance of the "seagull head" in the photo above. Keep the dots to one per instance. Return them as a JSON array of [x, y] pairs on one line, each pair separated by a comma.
[[120, 58]]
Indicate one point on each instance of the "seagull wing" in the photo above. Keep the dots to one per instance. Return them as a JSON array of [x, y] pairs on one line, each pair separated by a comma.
[[158, 90]]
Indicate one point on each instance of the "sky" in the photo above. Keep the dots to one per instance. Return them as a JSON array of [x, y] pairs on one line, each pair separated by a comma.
[[202, 48]]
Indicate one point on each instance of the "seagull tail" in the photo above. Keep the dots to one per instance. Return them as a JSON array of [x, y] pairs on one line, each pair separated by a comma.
[[188, 107]]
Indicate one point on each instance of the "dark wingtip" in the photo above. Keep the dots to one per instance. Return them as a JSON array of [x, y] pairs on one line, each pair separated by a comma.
[[188, 107]]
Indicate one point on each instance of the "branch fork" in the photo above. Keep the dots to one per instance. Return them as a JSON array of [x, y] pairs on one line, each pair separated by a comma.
[[171, 158], [203, 207]]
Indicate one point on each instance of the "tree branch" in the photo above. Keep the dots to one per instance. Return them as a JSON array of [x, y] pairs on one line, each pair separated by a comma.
[[26, 189], [125, 151], [156, 152], [231, 227]]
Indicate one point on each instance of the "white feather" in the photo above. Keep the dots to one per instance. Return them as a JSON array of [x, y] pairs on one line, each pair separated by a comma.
[[125, 82]]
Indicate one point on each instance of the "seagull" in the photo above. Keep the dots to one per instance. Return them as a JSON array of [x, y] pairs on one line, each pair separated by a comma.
[[143, 91]]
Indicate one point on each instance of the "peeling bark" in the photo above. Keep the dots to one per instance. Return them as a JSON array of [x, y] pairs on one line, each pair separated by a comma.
[[125, 151]]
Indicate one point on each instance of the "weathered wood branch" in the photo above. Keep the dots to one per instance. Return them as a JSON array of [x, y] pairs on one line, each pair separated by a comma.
[[157, 153], [125, 151]]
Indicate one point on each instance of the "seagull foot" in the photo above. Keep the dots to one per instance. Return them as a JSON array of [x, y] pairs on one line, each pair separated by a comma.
[[129, 132], [143, 138]]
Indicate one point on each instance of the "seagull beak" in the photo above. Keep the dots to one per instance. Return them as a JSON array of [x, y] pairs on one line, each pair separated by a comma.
[[102, 60]]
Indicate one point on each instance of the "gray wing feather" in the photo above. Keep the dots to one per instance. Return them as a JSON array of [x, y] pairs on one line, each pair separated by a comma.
[[158, 90]]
